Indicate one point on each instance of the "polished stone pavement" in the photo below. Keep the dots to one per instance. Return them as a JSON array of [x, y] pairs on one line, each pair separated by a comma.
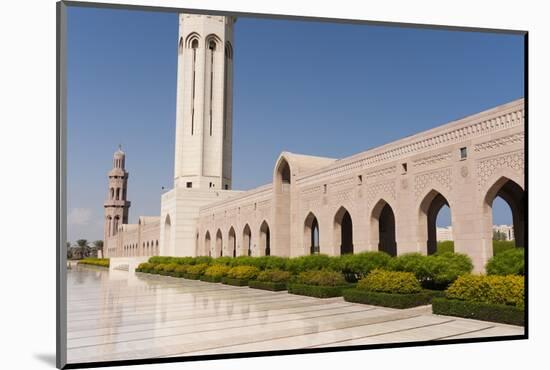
[[117, 315]]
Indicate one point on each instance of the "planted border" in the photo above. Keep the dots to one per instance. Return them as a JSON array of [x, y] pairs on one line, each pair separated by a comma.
[[267, 285], [192, 276], [479, 311], [235, 282], [318, 291], [210, 278], [393, 300]]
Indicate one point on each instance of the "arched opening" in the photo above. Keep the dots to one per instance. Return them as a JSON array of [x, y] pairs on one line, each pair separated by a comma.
[[311, 234], [513, 195], [117, 193], [283, 173], [115, 225], [343, 231], [247, 240], [167, 235], [232, 242], [112, 194], [109, 226], [207, 244], [434, 214], [383, 223], [219, 244], [265, 239]]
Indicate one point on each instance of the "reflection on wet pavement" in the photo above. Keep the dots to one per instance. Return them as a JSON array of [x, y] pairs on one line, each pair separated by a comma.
[[120, 315]]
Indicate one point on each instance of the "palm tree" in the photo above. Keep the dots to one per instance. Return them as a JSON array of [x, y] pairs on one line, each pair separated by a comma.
[[98, 246], [82, 248]]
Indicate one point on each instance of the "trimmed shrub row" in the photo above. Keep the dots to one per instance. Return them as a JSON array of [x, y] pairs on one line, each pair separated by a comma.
[[507, 262], [492, 289], [436, 271], [268, 285], [479, 311], [103, 262], [318, 291], [393, 300]]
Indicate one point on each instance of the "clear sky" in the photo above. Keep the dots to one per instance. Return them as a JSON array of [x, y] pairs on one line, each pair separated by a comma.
[[340, 88]]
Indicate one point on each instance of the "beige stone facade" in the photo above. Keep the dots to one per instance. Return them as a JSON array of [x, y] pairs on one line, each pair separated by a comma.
[[385, 198]]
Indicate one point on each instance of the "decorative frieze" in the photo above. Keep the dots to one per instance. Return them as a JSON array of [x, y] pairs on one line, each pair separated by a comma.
[[375, 191], [442, 177], [487, 167], [432, 159], [500, 142]]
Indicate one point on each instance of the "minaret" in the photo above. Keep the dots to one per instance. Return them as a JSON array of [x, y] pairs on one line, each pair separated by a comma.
[[204, 102], [116, 205]]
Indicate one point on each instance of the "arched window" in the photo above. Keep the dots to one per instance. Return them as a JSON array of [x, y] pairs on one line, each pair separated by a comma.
[[112, 194], [117, 193], [167, 235]]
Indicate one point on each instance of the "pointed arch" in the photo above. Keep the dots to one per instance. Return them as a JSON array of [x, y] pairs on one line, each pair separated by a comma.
[[247, 240], [192, 40], [232, 242], [343, 231], [265, 239], [207, 243], [213, 42], [428, 210], [228, 50], [311, 234], [515, 196], [383, 227], [218, 252]]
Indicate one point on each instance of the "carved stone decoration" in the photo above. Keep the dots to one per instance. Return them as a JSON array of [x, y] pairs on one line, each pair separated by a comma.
[[441, 177], [501, 141], [464, 171], [433, 159], [487, 167], [375, 190]]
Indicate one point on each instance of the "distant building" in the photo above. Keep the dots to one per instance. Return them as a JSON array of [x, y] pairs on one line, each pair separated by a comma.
[[507, 230], [444, 233]]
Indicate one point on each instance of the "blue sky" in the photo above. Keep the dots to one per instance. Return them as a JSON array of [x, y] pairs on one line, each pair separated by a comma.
[[341, 88]]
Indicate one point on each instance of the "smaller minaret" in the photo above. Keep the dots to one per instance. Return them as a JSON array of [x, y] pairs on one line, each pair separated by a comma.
[[116, 205]]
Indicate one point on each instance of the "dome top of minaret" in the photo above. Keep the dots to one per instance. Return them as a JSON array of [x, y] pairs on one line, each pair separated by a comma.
[[119, 153]]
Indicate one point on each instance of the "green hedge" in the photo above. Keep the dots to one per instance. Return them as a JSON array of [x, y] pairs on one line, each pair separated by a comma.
[[103, 262], [268, 285], [191, 276], [393, 300], [321, 277], [357, 266], [445, 246], [318, 291], [393, 282], [500, 246], [479, 311], [274, 276], [508, 262], [492, 289], [243, 272], [236, 282], [437, 271], [211, 278], [217, 271]]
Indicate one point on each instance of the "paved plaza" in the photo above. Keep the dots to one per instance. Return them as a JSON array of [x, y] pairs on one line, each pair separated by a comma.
[[120, 315]]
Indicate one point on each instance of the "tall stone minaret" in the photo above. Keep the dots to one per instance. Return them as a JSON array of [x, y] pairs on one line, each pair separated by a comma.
[[116, 205], [204, 126]]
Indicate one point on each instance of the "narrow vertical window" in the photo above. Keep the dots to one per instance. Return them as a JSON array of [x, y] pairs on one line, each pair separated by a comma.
[[194, 46], [212, 47]]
